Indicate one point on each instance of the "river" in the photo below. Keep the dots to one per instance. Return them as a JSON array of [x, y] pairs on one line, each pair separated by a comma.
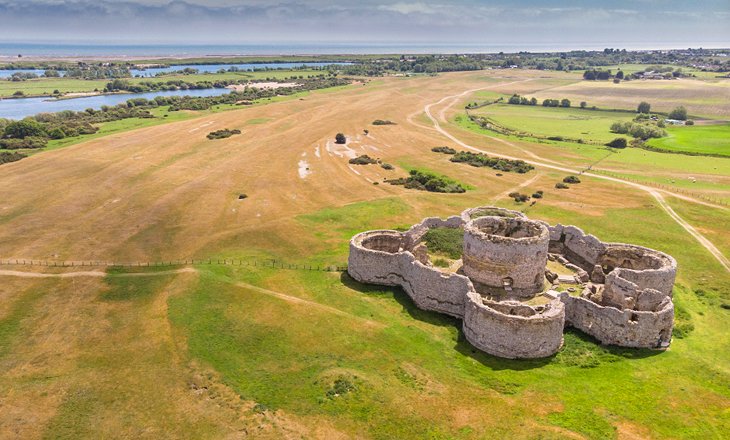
[[23, 107], [207, 68]]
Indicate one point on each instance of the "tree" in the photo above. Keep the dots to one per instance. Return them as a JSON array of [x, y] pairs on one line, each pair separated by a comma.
[[565, 102], [340, 138], [617, 143], [583, 104], [533, 101], [620, 74], [644, 107], [678, 113], [23, 129]]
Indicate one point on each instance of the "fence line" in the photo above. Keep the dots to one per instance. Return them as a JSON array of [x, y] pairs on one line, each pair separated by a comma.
[[271, 263], [665, 187]]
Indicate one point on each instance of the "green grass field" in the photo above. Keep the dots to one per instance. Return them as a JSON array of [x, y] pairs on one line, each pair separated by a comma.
[[700, 139], [591, 125]]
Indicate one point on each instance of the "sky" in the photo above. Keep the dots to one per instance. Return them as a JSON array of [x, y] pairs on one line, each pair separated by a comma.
[[539, 23]]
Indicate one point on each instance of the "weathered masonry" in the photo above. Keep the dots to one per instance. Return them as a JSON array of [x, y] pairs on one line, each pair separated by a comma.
[[521, 281]]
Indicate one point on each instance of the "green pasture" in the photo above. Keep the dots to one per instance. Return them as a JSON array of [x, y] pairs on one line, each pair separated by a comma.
[[290, 364], [698, 139], [590, 125]]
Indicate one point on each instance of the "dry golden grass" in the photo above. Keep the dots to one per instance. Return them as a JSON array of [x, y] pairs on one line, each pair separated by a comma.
[[703, 98]]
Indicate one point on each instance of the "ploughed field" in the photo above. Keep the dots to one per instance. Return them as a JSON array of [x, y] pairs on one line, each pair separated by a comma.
[[207, 351]]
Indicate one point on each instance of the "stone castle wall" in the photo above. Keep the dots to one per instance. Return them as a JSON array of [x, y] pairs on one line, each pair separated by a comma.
[[625, 328], [631, 306], [429, 289], [513, 331], [506, 252]]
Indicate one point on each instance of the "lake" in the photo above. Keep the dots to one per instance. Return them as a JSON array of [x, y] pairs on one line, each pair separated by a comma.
[[23, 107]]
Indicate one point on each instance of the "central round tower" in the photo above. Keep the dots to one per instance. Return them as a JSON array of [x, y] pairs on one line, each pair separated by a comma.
[[506, 255]]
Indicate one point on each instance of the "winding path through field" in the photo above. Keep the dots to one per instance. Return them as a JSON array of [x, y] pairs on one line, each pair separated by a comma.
[[707, 244]]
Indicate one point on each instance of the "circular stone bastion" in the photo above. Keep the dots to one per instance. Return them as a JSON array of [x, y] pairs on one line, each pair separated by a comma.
[[506, 254]]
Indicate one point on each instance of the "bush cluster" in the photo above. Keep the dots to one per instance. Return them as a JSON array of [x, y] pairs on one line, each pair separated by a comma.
[[36, 131], [383, 122], [363, 160], [561, 185], [638, 130], [482, 160], [7, 157], [222, 134], [425, 181], [519, 197], [618, 143], [571, 179], [444, 150]]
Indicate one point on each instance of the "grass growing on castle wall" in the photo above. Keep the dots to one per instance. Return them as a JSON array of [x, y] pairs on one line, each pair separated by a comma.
[[445, 241]]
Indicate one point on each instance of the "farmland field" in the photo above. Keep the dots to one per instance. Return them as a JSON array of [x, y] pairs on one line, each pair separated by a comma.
[[702, 139], [576, 123], [227, 351]]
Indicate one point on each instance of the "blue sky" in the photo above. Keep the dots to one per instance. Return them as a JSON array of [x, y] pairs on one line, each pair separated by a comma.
[[564, 23]]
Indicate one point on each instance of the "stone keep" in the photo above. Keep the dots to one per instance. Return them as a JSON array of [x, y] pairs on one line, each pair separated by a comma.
[[506, 253]]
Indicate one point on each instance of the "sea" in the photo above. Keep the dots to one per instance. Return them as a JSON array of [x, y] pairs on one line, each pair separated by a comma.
[[12, 50]]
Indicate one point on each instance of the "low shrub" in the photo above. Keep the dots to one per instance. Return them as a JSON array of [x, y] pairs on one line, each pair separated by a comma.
[[561, 185], [440, 262], [482, 160], [383, 122], [519, 197], [341, 387], [618, 143], [6, 157], [222, 134], [537, 195], [424, 181], [444, 150], [363, 160], [387, 166], [31, 142], [571, 179]]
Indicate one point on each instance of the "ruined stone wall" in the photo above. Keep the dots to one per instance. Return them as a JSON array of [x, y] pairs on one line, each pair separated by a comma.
[[513, 331], [525, 333], [501, 251], [481, 211], [430, 289], [583, 250], [647, 268], [631, 306], [625, 328]]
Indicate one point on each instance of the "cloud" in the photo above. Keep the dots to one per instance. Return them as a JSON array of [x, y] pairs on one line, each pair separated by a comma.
[[465, 21], [408, 8]]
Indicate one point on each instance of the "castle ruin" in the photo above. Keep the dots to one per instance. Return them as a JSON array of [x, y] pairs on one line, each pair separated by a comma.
[[520, 282]]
